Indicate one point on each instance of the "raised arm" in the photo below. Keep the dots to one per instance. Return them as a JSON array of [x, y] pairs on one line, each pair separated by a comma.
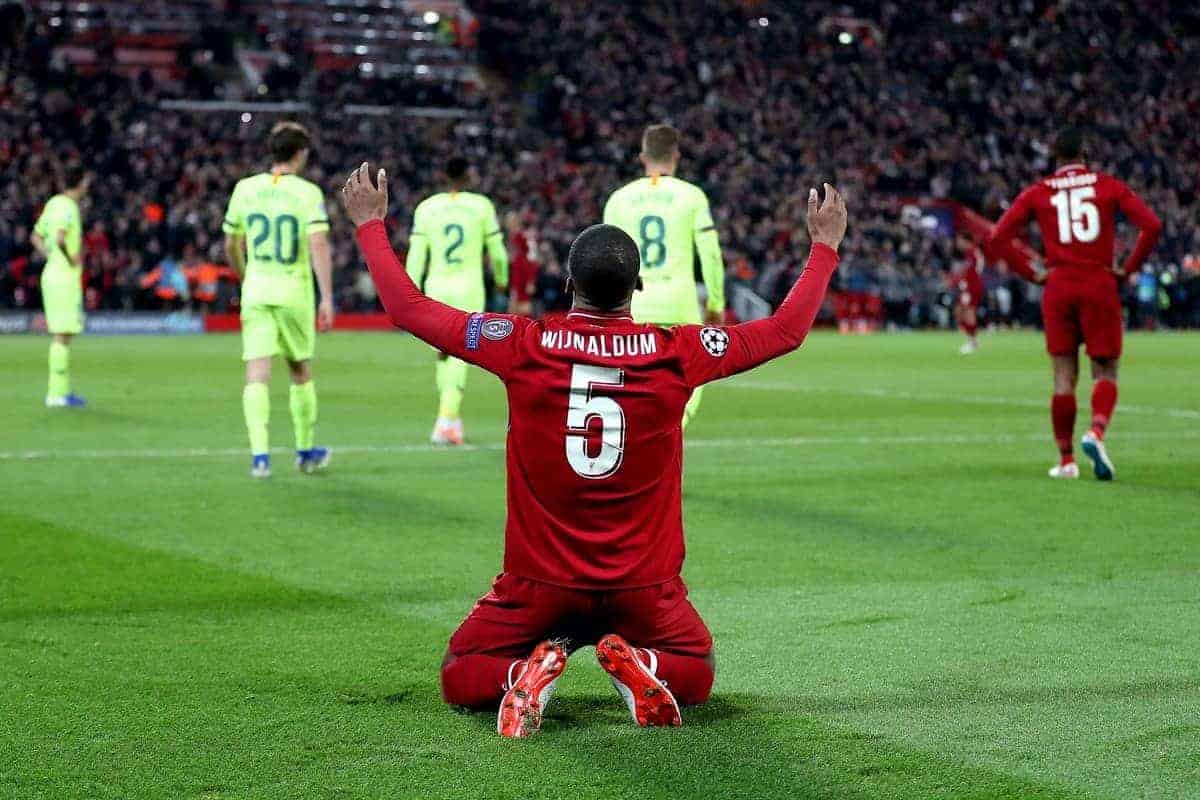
[[1149, 228], [710, 353], [454, 332]]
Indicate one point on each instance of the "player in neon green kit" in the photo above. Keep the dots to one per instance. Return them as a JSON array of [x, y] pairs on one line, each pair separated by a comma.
[[450, 232], [58, 236], [277, 237], [670, 220]]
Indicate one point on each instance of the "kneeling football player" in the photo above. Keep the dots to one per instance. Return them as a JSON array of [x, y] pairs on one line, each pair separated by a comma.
[[594, 537]]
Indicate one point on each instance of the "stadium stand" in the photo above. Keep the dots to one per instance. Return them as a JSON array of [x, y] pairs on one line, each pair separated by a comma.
[[550, 111]]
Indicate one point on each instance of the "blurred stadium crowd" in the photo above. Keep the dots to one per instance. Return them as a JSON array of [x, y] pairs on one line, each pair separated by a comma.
[[894, 102]]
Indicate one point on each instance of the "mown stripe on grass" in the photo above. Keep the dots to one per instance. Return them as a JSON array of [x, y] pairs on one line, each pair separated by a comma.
[[932, 397], [49, 570], [867, 440]]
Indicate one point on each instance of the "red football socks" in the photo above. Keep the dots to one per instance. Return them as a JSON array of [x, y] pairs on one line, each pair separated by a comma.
[[1062, 415], [478, 681], [689, 678], [969, 328], [1104, 400]]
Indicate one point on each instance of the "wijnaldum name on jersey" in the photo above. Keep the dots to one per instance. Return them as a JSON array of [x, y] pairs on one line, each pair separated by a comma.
[[608, 345]]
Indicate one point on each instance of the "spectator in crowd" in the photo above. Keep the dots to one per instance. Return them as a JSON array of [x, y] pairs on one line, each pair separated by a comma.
[[923, 101]]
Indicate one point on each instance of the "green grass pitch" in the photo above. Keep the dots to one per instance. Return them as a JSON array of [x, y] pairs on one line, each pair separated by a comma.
[[904, 605]]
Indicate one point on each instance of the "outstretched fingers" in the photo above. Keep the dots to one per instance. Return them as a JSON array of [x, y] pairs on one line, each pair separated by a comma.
[[832, 198]]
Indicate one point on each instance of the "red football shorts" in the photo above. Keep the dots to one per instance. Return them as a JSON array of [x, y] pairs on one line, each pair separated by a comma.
[[518, 613], [1082, 309]]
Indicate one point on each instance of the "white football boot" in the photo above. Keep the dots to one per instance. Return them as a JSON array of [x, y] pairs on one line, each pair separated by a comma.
[[1093, 447], [1069, 471]]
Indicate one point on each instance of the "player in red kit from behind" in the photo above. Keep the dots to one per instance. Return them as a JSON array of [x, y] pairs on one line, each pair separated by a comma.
[[523, 266], [1076, 210], [967, 285], [593, 544]]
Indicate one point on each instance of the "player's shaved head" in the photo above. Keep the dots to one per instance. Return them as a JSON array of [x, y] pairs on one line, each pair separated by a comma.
[[457, 169], [660, 143], [1068, 145], [287, 139], [603, 264]]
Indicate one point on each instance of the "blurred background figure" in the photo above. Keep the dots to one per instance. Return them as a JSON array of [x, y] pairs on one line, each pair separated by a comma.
[[523, 264]]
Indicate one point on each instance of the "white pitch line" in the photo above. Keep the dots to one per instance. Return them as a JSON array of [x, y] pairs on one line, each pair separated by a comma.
[[782, 441], [985, 400]]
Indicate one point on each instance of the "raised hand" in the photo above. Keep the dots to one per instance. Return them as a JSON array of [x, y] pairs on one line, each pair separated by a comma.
[[827, 224], [362, 200]]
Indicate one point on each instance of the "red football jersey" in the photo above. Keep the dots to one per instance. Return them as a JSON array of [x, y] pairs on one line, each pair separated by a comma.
[[967, 280], [523, 266], [595, 449], [1076, 209]]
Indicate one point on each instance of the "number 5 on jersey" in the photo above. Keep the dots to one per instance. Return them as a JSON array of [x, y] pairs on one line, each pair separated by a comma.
[[583, 405]]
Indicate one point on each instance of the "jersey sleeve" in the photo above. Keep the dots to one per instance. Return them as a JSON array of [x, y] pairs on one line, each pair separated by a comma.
[[1148, 224], [49, 222], [999, 243], [235, 222], [55, 219], [709, 353], [490, 341], [418, 247], [704, 232], [493, 243], [317, 218]]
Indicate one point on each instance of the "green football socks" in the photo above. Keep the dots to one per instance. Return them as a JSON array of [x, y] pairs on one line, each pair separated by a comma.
[[451, 380], [60, 370], [303, 403], [256, 405]]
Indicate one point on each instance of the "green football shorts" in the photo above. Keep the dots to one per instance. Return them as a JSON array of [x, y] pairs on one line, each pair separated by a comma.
[[62, 303], [268, 331]]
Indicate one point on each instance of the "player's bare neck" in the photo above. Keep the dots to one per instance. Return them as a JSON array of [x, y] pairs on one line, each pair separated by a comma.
[[287, 168], [582, 306], [655, 171]]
